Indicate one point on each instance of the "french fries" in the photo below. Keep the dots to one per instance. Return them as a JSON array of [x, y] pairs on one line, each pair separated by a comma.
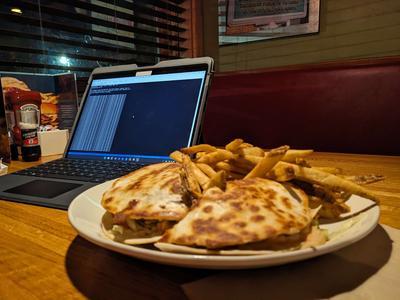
[[231, 168], [328, 180], [327, 187], [218, 180], [198, 148], [216, 156], [254, 151], [291, 155], [332, 170], [234, 145], [210, 172], [177, 156], [269, 160]]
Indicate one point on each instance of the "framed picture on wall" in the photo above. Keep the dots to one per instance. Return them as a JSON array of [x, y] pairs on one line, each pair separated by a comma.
[[252, 20]]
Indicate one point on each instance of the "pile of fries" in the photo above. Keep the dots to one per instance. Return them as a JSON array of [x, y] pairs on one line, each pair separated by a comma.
[[206, 166]]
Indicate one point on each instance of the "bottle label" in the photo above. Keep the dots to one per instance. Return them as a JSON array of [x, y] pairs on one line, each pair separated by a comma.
[[29, 106], [29, 137]]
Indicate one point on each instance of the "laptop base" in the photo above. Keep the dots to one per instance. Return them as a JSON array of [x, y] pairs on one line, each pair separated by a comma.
[[48, 192]]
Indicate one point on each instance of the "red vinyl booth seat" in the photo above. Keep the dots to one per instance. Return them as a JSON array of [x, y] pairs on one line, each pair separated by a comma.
[[349, 107]]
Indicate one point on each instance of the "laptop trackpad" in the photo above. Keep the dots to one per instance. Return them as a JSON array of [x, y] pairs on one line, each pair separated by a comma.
[[43, 188]]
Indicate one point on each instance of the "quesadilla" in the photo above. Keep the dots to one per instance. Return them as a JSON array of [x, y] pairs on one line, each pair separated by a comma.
[[254, 213], [143, 204]]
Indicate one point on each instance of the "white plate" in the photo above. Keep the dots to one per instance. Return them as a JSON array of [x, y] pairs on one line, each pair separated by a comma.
[[85, 213]]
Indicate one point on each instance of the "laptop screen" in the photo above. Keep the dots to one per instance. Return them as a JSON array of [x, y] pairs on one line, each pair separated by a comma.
[[138, 118]]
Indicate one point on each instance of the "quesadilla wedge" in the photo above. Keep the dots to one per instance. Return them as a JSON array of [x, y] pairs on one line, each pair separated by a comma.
[[314, 237], [251, 214], [143, 204]]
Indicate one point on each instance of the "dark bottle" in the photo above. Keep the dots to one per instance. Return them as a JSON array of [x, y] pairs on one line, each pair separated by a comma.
[[13, 148], [30, 148]]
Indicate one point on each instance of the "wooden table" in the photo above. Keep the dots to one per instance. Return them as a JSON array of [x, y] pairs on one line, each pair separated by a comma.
[[42, 257]]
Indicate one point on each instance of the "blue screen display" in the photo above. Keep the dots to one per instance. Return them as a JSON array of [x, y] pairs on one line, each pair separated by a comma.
[[141, 118]]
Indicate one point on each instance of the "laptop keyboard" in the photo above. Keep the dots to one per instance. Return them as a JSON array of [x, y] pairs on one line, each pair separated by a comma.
[[83, 170]]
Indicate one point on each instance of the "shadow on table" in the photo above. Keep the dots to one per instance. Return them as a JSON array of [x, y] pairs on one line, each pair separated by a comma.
[[102, 274], [318, 278]]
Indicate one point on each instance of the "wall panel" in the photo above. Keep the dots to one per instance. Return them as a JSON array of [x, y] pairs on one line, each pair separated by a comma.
[[348, 30]]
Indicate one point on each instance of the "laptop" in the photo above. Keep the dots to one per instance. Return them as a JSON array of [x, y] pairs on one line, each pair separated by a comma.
[[129, 117]]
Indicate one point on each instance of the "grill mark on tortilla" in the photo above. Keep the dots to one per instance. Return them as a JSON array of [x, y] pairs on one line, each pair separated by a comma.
[[252, 190], [222, 236], [279, 214], [208, 209], [257, 218], [205, 226], [226, 217], [184, 239], [270, 194], [224, 197], [139, 181], [133, 186], [286, 202], [240, 224], [249, 235], [254, 208], [133, 203], [227, 236], [270, 230], [173, 184], [236, 205], [280, 211], [268, 205], [288, 224]]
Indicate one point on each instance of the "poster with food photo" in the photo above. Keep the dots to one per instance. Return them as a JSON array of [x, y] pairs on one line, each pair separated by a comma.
[[58, 96]]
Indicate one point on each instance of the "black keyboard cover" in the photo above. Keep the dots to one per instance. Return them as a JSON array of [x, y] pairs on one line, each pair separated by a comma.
[[96, 171]]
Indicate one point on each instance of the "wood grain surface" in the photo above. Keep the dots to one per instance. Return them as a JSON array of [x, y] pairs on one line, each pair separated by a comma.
[[42, 257]]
